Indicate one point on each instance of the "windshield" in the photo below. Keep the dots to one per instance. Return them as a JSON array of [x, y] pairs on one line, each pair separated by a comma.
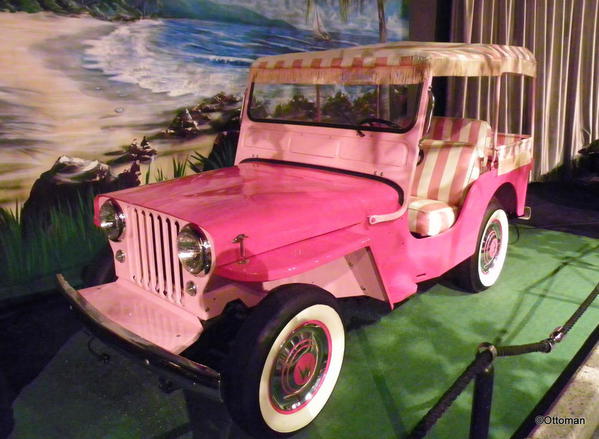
[[345, 106]]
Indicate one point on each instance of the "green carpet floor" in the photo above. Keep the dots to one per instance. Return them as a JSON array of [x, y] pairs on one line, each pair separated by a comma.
[[394, 370]]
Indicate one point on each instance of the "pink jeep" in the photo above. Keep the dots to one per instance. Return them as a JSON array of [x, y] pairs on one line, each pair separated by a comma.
[[345, 184]]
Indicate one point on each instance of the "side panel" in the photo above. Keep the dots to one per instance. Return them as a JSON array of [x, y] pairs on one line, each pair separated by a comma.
[[356, 274], [404, 260]]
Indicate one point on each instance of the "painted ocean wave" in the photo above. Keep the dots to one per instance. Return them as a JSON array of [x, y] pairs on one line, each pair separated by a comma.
[[199, 58]]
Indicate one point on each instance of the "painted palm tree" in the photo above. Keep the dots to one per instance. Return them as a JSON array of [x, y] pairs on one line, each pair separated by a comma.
[[345, 6]]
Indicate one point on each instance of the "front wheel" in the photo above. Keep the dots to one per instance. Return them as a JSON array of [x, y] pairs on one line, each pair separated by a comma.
[[285, 361], [483, 268]]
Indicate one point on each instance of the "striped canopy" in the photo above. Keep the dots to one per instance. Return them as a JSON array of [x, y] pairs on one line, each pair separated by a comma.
[[403, 62]]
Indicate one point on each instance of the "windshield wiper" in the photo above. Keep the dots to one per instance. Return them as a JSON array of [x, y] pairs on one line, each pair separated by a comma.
[[352, 122]]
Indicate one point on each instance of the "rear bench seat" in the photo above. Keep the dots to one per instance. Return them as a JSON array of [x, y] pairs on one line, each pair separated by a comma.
[[453, 150]]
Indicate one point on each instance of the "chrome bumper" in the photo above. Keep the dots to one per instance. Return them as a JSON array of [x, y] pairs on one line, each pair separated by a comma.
[[180, 370]]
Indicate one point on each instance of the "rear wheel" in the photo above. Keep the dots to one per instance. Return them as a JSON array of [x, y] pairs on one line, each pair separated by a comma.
[[482, 269], [285, 362]]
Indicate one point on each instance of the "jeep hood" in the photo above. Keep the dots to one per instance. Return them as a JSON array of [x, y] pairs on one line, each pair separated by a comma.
[[272, 204]]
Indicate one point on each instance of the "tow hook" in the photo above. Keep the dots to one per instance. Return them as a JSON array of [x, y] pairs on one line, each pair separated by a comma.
[[527, 214]]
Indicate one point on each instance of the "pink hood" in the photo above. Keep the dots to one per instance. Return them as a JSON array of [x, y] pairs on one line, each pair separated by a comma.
[[273, 204]]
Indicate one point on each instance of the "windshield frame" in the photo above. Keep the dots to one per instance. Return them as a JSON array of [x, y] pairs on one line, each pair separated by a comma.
[[347, 126]]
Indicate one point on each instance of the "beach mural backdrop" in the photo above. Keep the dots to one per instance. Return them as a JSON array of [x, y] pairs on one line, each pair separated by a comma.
[[87, 80]]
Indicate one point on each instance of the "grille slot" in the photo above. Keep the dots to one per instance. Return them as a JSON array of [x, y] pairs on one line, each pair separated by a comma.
[[152, 246]]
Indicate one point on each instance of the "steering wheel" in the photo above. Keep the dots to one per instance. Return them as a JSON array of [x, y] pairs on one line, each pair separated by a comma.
[[371, 120]]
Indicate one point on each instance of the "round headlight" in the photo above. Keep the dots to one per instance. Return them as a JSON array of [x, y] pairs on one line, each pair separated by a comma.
[[193, 249], [112, 220]]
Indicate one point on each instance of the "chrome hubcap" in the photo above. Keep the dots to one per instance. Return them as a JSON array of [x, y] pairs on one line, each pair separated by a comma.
[[490, 246], [300, 366]]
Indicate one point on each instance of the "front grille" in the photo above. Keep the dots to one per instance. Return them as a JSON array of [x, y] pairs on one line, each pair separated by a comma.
[[152, 249]]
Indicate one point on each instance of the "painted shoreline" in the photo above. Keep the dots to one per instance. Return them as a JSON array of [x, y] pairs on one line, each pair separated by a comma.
[[50, 105]]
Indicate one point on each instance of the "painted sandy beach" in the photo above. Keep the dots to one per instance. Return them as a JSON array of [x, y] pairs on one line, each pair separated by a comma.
[[50, 105]]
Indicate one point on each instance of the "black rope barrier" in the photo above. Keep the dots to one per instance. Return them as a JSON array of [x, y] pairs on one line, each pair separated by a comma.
[[482, 361], [580, 311], [544, 346], [481, 369]]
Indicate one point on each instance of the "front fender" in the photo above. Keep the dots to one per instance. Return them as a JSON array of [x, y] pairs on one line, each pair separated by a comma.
[[296, 258]]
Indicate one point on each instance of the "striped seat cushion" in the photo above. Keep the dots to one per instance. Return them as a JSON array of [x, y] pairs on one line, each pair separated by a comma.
[[430, 217], [440, 185], [445, 172], [452, 149], [473, 131]]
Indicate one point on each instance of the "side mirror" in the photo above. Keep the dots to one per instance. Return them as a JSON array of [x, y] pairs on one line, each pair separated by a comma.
[[429, 111]]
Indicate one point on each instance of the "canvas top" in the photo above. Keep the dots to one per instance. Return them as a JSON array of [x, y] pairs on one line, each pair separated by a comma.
[[405, 62]]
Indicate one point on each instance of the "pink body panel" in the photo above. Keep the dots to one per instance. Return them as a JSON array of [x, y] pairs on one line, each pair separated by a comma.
[[355, 274], [309, 224], [295, 258], [274, 205], [404, 260], [384, 260]]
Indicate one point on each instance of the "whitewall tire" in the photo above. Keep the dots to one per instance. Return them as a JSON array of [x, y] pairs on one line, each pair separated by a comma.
[[285, 361], [482, 269], [492, 248]]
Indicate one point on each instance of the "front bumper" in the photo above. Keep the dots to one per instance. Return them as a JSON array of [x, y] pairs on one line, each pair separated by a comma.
[[180, 370]]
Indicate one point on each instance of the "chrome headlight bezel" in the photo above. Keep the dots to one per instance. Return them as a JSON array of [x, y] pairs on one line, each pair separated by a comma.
[[112, 220], [194, 250]]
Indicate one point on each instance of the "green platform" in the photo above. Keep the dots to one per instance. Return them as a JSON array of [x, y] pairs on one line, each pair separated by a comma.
[[394, 370]]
